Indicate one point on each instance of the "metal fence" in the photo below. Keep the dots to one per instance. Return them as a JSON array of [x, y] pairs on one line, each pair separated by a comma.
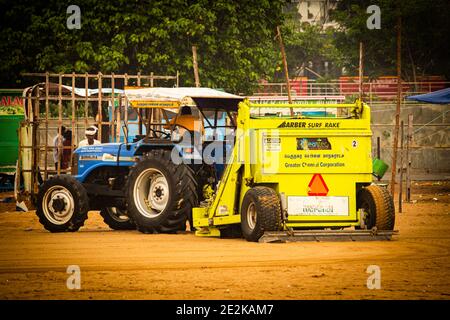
[[381, 90]]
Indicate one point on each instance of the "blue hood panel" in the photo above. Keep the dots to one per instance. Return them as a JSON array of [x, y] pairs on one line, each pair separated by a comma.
[[103, 155]]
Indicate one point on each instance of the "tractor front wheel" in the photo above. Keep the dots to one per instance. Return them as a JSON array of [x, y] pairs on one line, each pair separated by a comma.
[[62, 204], [160, 194], [261, 211], [378, 207]]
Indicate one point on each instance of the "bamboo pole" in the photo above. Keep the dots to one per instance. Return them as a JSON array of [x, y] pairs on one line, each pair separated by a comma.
[[125, 103], [99, 108], [286, 72], [139, 110], [47, 110], [194, 62], [58, 170], [112, 124], [408, 157], [361, 71], [400, 192], [37, 158], [31, 121], [86, 101], [73, 117], [399, 97], [378, 153]]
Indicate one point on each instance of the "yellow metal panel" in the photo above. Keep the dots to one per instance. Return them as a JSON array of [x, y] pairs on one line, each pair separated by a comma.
[[208, 232], [310, 124], [346, 154], [227, 220]]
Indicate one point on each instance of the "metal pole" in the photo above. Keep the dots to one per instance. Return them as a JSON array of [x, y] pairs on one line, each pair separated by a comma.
[[408, 157], [399, 94], [194, 61]]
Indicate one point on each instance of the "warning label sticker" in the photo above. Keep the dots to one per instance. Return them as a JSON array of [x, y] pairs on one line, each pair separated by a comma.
[[272, 144]]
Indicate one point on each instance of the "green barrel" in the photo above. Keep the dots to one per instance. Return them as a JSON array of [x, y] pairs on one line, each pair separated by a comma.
[[379, 168], [9, 141]]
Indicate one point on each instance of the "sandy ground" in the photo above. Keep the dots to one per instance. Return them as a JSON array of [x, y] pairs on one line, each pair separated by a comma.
[[130, 265]]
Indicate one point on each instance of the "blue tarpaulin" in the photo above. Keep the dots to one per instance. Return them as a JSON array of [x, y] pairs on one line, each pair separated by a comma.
[[438, 97]]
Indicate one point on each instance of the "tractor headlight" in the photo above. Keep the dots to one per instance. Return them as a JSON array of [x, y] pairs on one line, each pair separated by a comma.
[[108, 157]]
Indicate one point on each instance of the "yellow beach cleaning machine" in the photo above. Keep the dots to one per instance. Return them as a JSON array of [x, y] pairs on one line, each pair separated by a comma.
[[299, 172]]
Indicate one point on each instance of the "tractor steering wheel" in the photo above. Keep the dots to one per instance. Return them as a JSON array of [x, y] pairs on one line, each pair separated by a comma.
[[161, 134]]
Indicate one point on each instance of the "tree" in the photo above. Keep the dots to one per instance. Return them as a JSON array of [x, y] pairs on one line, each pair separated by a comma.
[[311, 43], [425, 36], [234, 39]]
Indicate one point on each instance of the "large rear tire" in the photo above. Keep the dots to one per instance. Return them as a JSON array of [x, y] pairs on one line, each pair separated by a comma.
[[261, 211], [160, 194], [378, 206], [62, 204], [117, 219]]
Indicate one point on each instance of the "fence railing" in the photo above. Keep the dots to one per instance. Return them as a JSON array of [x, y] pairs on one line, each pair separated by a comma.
[[377, 90]]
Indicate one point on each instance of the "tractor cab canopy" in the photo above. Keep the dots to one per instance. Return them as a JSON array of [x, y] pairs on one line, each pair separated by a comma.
[[160, 106], [173, 98]]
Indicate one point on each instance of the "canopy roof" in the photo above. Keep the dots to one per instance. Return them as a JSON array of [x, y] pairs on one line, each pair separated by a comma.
[[438, 97], [204, 98]]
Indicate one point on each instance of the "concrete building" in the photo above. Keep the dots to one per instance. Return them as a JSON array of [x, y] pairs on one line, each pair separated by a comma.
[[317, 12]]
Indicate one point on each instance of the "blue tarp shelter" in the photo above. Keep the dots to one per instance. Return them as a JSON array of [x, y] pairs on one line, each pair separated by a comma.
[[437, 97]]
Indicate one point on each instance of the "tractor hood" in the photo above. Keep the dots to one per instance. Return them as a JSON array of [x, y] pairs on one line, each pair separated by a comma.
[[89, 158], [99, 149]]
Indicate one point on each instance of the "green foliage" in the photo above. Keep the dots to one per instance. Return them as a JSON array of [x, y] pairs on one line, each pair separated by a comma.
[[10, 110], [310, 43], [425, 36], [234, 39], [305, 42]]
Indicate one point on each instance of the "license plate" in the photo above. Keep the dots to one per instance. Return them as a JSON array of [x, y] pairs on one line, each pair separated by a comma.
[[317, 206]]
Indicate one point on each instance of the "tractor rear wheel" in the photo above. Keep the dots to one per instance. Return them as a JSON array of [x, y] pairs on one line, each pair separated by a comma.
[[160, 194], [117, 219], [378, 207], [62, 204], [261, 211]]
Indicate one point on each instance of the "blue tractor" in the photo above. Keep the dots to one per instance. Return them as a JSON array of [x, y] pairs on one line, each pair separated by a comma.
[[153, 182]]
